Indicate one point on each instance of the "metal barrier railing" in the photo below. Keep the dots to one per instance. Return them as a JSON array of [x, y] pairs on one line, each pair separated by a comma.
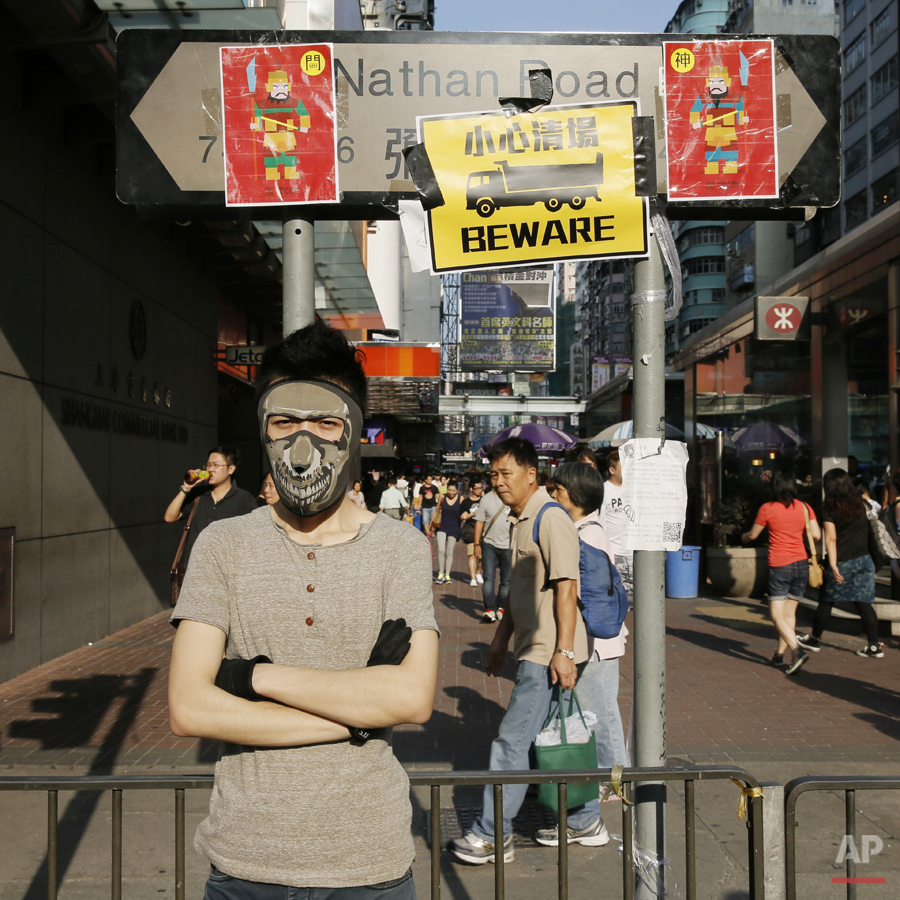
[[629, 777], [792, 793], [435, 781]]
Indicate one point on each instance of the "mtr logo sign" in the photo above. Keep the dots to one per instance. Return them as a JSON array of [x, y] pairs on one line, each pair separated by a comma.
[[782, 319]]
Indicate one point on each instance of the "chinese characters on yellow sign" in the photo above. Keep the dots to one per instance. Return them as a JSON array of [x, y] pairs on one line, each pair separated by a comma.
[[556, 184]]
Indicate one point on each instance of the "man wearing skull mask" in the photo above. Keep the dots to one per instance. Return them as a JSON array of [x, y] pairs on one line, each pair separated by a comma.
[[323, 612]]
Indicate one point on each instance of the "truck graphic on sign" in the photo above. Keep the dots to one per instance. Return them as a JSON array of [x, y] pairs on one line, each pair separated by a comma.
[[552, 185]]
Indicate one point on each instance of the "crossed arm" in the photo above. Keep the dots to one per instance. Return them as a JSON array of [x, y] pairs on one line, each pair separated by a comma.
[[306, 706]]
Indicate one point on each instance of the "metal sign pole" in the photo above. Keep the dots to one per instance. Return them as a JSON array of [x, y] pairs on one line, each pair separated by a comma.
[[299, 271], [649, 581]]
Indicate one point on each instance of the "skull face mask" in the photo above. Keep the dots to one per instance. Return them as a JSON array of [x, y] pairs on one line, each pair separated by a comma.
[[311, 472]]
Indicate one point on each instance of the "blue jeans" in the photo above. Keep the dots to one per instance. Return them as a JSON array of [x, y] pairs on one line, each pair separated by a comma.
[[490, 557], [223, 887], [529, 706], [598, 692], [788, 582], [427, 515]]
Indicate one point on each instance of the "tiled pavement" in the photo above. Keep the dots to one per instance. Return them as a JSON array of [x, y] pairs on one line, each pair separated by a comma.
[[103, 707]]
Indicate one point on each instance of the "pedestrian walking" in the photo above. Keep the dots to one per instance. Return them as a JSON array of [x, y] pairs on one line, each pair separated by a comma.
[[579, 488], [785, 517], [617, 517], [426, 499], [492, 548], [324, 614], [448, 532], [392, 502], [850, 573], [550, 643], [356, 495], [468, 512]]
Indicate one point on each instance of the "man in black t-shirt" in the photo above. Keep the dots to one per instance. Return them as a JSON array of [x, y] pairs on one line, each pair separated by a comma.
[[218, 497], [428, 497]]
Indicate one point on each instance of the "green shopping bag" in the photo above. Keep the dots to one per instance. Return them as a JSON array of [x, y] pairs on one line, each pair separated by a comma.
[[567, 756]]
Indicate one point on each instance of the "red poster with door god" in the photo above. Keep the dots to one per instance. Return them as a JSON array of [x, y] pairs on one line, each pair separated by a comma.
[[720, 119], [279, 125]]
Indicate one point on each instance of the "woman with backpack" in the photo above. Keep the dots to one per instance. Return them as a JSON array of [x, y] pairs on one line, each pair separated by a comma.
[[786, 517], [578, 487]]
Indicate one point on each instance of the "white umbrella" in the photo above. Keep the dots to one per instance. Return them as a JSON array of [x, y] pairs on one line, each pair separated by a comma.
[[623, 431]]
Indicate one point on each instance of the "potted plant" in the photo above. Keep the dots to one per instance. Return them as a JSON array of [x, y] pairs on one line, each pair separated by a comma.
[[733, 569]]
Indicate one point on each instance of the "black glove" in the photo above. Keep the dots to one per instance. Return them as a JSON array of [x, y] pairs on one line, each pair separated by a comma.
[[390, 649], [392, 645], [236, 677]]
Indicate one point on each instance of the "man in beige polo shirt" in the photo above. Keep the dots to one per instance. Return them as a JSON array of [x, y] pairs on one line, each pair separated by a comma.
[[550, 646]]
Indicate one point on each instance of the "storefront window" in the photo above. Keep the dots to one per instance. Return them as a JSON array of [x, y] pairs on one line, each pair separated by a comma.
[[867, 400]]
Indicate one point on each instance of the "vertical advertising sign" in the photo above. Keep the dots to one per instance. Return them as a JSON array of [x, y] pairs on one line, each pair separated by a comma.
[[623, 364], [280, 134], [508, 320], [576, 370], [599, 372], [720, 119]]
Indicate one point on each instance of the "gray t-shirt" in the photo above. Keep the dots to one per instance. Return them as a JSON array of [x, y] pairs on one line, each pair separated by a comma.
[[497, 535], [327, 815]]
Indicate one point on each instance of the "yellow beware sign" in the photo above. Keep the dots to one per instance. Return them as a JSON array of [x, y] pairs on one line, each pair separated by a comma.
[[538, 187]]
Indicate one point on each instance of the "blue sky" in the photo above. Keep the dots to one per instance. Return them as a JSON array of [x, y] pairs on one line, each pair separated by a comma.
[[553, 15]]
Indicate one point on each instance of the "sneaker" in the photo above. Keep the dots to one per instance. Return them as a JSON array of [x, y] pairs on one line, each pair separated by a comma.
[[447, 579], [808, 642], [479, 579], [871, 651], [499, 613], [801, 660], [473, 583], [439, 578], [594, 835], [778, 661], [472, 849], [489, 616]]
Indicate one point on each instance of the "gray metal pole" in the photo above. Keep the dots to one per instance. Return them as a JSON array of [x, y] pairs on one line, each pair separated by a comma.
[[649, 579], [299, 271]]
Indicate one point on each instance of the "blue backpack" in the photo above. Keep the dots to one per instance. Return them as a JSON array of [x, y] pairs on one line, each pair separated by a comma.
[[603, 600]]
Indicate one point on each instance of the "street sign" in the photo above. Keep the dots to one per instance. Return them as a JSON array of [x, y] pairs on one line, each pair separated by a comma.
[[554, 184], [169, 108], [244, 356], [782, 319]]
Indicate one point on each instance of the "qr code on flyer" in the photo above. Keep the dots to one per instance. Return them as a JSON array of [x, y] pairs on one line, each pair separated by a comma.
[[671, 532]]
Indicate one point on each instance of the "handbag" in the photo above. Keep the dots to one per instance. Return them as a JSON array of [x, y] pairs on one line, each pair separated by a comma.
[[816, 575], [567, 756], [436, 518], [176, 573], [882, 548]]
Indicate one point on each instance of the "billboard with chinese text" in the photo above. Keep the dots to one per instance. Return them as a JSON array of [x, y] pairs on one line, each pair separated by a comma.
[[508, 320]]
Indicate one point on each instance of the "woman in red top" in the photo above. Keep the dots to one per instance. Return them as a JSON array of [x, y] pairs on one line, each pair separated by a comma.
[[788, 568]]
